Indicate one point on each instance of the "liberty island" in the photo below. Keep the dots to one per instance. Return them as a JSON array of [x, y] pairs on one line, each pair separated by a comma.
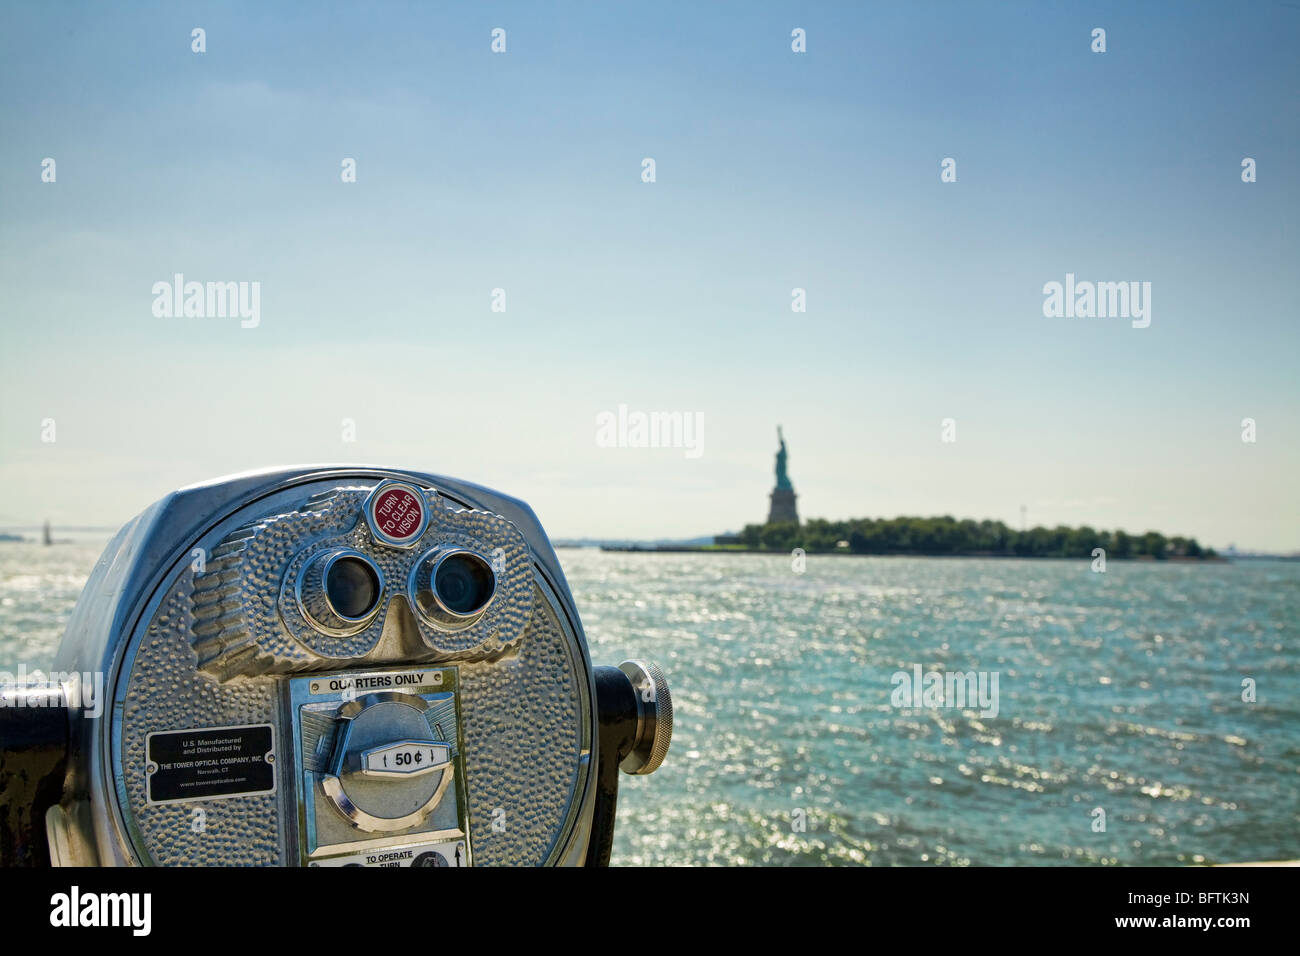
[[940, 536]]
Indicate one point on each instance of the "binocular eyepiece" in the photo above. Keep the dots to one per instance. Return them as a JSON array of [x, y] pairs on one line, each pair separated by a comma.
[[339, 590], [453, 587], [333, 666]]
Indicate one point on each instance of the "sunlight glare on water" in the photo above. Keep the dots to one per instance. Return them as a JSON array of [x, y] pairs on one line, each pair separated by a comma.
[[1119, 690]]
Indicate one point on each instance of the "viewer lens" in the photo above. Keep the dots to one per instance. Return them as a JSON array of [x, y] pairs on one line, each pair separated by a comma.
[[352, 586], [463, 583]]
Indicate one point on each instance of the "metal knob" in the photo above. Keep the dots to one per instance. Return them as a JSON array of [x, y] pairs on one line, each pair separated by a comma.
[[654, 724], [388, 770]]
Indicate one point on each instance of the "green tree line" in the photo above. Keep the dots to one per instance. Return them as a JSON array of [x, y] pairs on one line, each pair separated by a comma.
[[948, 536]]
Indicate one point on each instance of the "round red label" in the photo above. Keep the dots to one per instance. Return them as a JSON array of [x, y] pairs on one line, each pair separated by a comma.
[[397, 513]]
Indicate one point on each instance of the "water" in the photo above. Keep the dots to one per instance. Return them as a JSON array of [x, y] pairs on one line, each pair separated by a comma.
[[1120, 691], [38, 587]]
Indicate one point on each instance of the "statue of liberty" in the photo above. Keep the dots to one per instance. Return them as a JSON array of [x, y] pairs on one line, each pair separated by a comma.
[[782, 479], [783, 508]]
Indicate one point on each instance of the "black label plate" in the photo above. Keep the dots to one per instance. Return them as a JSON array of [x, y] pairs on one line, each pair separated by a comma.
[[210, 762]]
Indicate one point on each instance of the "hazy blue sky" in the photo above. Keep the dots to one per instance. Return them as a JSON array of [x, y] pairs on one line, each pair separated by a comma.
[[775, 170]]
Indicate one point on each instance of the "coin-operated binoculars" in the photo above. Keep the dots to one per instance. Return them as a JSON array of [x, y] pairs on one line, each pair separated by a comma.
[[334, 666]]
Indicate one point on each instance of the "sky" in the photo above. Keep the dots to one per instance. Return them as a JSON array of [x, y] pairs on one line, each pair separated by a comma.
[[376, 339]]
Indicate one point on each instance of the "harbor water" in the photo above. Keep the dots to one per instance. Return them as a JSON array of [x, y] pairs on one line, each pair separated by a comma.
[[1148, 714]]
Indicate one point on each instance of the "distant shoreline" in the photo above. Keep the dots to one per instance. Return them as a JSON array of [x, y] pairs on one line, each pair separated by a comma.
[[844, 552]]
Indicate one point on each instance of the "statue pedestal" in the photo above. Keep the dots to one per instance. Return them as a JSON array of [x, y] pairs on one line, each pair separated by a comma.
[[783, 508]]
